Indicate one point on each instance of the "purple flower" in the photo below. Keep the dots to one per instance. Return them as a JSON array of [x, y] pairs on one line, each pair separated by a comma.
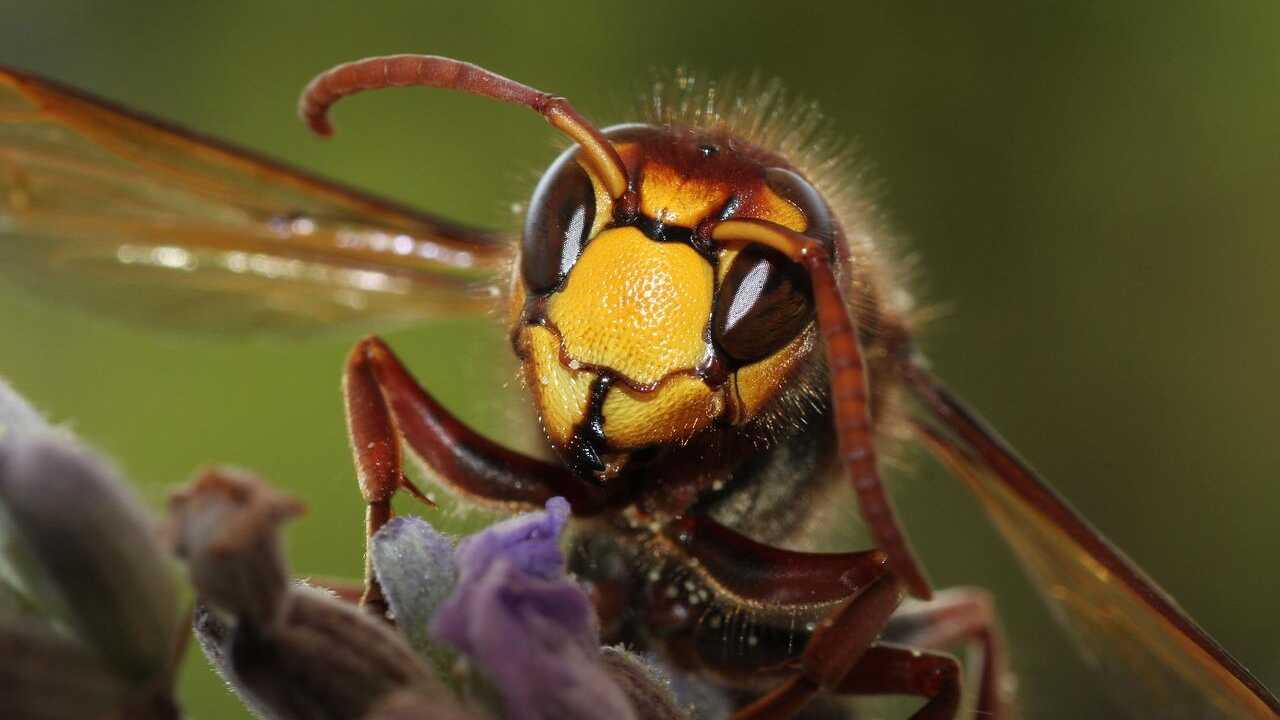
[[89, 616], [531, 542], [527, 625]]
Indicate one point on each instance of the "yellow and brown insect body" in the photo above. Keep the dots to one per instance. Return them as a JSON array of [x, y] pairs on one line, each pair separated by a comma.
[[781, 357], [637, 330]]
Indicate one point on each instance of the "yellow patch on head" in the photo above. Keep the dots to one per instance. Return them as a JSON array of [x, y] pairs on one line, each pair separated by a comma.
[[772, 207], [726, 261], [760, 382], [675, 411], [669, 196], [635, 306], [562, 394]]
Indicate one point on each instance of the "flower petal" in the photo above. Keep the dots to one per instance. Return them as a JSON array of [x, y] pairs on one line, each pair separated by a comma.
[[531, 541], [527, 624]]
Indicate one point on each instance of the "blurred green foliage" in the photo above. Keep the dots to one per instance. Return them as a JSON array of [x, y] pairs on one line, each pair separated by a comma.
[[1090, 188]]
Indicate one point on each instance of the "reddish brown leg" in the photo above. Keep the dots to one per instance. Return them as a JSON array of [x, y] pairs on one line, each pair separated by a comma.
[[859, 588], [841, 653], [835, 650], [955, 618], [765, 574], [893, 670], [880, 670], [385, 404]]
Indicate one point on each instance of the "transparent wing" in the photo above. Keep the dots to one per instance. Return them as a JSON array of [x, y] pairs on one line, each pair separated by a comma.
[[1151, 653], [133, 217]]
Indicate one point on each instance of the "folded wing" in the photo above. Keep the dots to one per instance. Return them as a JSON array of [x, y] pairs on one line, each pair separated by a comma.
[[1151, 654], [136, 218]]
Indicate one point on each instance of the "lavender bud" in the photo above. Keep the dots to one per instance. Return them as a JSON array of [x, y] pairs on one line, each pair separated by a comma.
[[225, 527], [17, 415], [322, 658], [213, 631], [409, 705], [46, 676], [88, 553], [645, 686], [414, 565]]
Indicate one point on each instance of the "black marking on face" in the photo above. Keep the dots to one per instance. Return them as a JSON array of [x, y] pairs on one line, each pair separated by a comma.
[[588, 445]]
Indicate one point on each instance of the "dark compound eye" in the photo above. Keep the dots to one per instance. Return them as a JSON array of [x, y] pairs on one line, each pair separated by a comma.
[[764, 303], [796, 190], [560, 216]]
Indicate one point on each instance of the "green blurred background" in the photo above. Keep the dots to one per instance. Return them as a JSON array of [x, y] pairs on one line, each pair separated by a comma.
[[1090, 188]]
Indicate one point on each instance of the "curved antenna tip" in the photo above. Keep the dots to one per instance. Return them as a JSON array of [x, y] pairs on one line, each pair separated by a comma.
[[441, 72]]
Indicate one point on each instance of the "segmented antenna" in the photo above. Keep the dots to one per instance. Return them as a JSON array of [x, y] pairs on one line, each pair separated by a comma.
[[848, 390], [376, 73]]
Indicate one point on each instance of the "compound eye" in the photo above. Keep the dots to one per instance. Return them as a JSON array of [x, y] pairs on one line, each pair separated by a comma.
[[560, 217], [796, 190], [764, 303]]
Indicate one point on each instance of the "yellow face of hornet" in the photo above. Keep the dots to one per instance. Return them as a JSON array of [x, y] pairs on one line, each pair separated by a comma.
[[635, 330]]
